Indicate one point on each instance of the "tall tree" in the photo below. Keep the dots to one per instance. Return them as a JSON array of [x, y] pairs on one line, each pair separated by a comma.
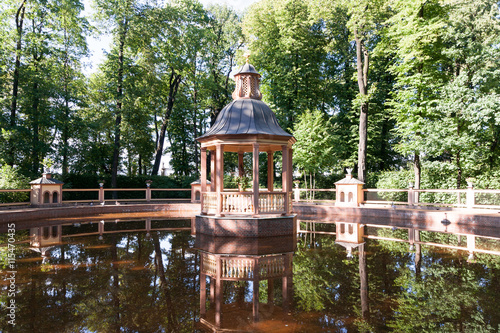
[[175, 35], [469, 105], [413, 36], [19, 20], [365, 17], [118, 14]]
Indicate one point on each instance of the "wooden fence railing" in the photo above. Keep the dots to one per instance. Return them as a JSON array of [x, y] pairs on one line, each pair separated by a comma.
[[273, 202], [101, 195], [461, 198]]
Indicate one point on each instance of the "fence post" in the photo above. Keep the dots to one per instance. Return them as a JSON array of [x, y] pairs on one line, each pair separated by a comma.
[[296, 193], [101, 192], [148, 190], [410, 194], [470, 195]]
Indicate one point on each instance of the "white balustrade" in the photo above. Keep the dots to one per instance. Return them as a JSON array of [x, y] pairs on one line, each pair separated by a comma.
[[271, 203], [210, 202], [237, 203]]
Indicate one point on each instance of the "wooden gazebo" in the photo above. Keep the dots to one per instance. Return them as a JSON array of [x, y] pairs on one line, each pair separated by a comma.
[[246, 125]]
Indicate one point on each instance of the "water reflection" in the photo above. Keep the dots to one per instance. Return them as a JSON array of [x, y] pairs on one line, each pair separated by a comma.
[[145, 276], [253, 261]]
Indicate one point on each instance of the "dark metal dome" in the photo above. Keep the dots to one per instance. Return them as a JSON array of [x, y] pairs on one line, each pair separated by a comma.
[[246, 116], [247, 69]]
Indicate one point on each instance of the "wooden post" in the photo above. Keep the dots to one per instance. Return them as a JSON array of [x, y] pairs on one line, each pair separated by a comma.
[[285, 282], [285, 175], [470, 196], [411, 194], [256, 280], [203, 176], [290, 180], [218, 292], [270, 171], [213, 171], [203, 290], [219, 178], [212, 291], [241, 165], [101, 193], [270, 291], [256, 179], [148, 192]]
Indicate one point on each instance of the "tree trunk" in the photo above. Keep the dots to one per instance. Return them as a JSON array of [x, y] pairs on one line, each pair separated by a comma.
[[363, 61], [65, 129], [119, 97], [175, 80], [417, 171], [36, 127], [15, 80]]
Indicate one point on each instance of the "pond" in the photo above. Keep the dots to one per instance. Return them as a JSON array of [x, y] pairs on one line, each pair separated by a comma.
[[143, 275]]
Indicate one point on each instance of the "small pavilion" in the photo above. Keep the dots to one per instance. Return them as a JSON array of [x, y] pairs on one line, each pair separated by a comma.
[[46, 190], [246, 125]]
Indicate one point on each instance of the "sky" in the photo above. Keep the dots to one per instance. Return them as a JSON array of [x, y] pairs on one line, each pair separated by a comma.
[[99, 46]]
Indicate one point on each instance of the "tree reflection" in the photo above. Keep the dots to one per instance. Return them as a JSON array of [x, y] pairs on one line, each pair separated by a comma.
[[124, 283]]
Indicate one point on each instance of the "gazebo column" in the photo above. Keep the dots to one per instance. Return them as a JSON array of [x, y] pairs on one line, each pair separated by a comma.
[[241, 166], [203, 175], [212, 171], [290, 178], [270, 171], [219, 176], [256, 179], [285, 175]]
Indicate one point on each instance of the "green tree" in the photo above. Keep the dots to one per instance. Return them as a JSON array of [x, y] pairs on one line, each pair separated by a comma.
[[314, 150], [288, 48], [468, 108], [413, 36], [10, 178], [118, 15]]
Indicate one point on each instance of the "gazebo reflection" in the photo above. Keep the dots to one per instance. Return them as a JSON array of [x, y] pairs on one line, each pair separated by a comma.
[[43, 239], [248, 261]]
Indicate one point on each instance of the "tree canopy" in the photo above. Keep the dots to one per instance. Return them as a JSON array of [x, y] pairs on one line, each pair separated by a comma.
[[380, 86]]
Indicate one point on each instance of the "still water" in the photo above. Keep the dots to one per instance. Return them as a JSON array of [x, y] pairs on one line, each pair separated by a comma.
[[144, 276]]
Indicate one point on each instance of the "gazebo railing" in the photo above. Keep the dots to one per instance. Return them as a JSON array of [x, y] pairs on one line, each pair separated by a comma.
[[243, 203], [209, 202], [238, 202], [272, 203]]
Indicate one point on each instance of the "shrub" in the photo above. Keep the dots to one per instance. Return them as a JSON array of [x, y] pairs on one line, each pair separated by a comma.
[[10, 178]]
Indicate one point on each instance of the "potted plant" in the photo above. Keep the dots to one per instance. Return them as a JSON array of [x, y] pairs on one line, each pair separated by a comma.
[[243, 183]]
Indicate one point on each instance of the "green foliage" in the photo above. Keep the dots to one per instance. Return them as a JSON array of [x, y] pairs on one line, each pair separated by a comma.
[[314, 150], [10, 178], [432, 85]]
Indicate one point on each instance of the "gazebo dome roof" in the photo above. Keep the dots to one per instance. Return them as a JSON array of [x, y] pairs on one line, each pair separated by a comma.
[[246, 116], [247, 69]]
